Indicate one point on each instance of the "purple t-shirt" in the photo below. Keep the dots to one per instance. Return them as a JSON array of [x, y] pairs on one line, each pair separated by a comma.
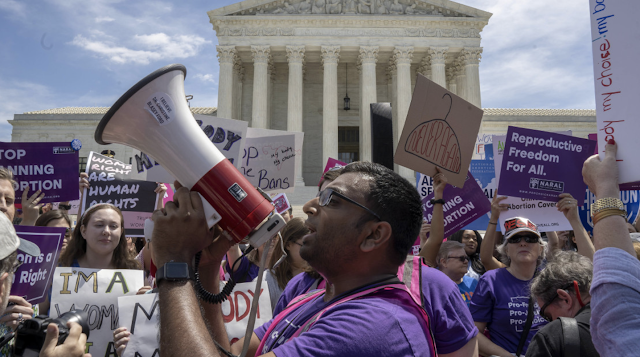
[[501, 300], [297, 286], [385, 321], [449, 315], [247, 271]]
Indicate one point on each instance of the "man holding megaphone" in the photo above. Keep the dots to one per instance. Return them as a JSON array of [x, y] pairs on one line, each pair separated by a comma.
[[362, 227]]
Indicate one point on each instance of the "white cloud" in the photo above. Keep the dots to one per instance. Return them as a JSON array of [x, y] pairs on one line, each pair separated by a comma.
[[206, 78], [19, 97], [14, 7], [154, 47], [100, 19]]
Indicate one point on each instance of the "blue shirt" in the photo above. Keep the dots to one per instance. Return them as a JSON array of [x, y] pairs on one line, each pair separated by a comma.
[[466, 287], [615, 302]]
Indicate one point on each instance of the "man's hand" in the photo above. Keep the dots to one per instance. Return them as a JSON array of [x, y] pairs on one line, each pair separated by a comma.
[[602, 175], [569, 207], [180, 229], [74, 344], [84, 182], [121, 338], [31, 207]]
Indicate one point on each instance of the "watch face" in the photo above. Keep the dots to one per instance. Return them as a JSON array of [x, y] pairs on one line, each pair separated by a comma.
[[176, 271]]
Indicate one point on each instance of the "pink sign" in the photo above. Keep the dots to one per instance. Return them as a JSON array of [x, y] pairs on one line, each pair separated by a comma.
[[332, 164], [168, 196]]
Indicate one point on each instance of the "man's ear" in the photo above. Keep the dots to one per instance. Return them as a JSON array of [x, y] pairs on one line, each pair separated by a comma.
[[377, 235], [565, 297]]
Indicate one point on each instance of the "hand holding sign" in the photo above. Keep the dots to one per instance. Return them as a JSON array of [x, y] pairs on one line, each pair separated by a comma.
[[31, 206], [569, 206], [602, 175]]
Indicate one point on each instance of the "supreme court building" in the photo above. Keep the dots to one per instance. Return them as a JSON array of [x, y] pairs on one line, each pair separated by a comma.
[[290, 65]]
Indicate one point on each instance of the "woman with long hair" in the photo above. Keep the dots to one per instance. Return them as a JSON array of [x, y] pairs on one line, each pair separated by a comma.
[[289, 247], [56, 218], [472, 241]]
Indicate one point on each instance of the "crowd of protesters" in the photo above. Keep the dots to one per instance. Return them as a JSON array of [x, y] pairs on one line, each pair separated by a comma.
[[341, 281]]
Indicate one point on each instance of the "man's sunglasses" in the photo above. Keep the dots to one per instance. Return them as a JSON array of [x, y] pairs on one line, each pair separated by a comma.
[[462, 258], [529, 238], [555, 296], [324, 197]]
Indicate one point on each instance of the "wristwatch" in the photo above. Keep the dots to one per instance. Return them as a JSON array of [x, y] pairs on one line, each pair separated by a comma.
[[65, 207], [606, 203], [174, 271], [434, 201]]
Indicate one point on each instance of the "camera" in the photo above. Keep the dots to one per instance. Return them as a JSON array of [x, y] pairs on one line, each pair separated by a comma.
[[31, 333]]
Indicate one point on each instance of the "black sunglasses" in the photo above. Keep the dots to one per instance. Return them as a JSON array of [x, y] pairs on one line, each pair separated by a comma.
[[555, 296], [462, 258], [324, 197], [15, 267], [529, 238]]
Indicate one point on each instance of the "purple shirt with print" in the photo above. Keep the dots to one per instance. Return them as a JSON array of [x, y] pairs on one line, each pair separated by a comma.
[[501, 300], [386, 320], [247, 271], [449, 315], [297, 286]]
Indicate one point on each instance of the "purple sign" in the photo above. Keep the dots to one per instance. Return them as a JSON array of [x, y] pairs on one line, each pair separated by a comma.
[[462, 205], [49, 167], [33, 278], [542, 165]]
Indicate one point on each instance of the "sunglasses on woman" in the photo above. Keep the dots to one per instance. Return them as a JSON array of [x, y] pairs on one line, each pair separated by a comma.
[[462, 258], [529, 238]]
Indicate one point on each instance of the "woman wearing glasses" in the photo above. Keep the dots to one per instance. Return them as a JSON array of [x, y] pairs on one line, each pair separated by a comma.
[[453, 261], [502, 298]]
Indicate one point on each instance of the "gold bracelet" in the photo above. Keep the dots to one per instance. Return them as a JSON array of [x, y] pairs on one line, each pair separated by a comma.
[[606, 203], [607, 213]]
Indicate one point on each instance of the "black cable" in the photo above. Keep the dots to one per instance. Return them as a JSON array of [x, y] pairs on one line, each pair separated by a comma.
[[223, 295]]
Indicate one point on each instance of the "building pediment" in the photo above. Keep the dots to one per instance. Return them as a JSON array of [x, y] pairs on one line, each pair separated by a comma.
[[440, 8]]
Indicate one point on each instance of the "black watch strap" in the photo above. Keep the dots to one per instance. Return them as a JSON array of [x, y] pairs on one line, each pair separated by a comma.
[[175, 271], [434, 201], [65, 207]]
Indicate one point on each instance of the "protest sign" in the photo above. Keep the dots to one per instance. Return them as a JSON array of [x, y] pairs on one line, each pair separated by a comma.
[[440, 131], [614, 39], [281, 203], [481, 149], [168, 196], [75, 204], [269, 162], [629, 186], [543, 213], [484, 173], [630, 199], [541, 165], [96, 292], [49, 167], [227, 135], [109, 183], [235, 311], [33, 277], [332, 164], [140, 314], [462, 205], [299, 140]]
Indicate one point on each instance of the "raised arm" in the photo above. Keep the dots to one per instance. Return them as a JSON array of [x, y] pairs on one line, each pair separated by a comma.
[[31, 207], [431, 247], [83, 184], [569, 206], [489, 240]]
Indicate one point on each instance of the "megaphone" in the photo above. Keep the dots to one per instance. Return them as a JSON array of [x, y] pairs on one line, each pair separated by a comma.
[[154, 117]]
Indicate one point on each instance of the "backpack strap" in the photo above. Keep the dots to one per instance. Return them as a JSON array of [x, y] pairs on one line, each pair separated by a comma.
[[527, 327], [571, 336]]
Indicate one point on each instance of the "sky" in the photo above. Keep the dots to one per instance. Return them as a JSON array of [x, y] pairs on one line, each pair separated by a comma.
[[62, 53]]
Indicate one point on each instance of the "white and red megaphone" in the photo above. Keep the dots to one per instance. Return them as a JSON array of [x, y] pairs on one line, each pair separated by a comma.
[[154, 117]]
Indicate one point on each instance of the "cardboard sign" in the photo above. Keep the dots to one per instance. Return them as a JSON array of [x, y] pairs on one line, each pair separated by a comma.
[[281, 203], [269, 162], [440, 131], [140, 314], [484, 173], [109, 183], [227, 135], [614, 39], [462, 205], [543, 213], [96, 292], [33, 277], [235, 311], [630, 198], [542, 165], [49, 167]]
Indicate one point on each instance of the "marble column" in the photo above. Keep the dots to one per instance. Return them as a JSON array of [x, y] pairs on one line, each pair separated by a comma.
[[295, 57], [471, 61], [330, 57], [368, 59], [425, 66], [261, 56], [271, 79], [438, 73], [461, 80], [226, 57], [393, 97], [451, 79], [238, 75], [402, 57]]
